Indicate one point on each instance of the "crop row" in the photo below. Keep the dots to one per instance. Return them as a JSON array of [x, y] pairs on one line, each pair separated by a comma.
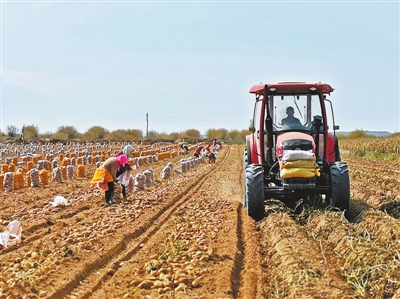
[[384, 145]]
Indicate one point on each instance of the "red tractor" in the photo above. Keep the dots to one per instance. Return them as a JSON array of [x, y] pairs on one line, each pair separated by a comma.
[[291, 153]]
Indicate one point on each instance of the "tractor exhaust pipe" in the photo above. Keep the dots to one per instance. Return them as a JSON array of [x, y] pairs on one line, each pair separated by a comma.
[[317, 122]]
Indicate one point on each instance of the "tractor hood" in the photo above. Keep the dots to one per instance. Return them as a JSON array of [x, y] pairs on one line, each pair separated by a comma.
[[294, 141]]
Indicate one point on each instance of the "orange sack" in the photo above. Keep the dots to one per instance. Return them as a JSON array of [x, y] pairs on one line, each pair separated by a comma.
[[101, 177]]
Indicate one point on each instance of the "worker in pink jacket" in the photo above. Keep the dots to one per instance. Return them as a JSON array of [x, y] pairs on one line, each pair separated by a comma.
[[106, 175]]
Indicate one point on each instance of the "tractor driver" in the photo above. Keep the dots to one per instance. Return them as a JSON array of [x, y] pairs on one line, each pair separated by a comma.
[[291, 122]]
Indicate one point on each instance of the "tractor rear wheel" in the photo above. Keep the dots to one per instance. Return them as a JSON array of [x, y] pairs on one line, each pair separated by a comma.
[[340, 183], [254, 189]]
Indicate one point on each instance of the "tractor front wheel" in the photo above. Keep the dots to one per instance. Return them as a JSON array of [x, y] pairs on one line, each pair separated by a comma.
[[340, 183], [254, 192]]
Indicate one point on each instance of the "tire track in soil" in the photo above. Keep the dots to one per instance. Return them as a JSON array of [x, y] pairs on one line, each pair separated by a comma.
[[97, 273], [229, 193], [251, 271], [236, 273], [247, 272]]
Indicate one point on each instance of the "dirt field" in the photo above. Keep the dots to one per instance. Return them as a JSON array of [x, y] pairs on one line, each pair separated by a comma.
[[189, 236]]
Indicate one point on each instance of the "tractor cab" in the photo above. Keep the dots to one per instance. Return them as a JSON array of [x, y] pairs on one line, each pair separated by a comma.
[[293, 118], [292, 107]]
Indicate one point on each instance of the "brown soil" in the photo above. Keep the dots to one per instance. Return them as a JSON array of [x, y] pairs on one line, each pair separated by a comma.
[[189, 236]]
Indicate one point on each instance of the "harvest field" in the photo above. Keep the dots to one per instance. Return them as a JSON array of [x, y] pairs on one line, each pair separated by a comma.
[[189, 236]]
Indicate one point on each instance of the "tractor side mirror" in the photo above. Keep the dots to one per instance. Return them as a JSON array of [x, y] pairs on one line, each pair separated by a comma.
[[336, 127]]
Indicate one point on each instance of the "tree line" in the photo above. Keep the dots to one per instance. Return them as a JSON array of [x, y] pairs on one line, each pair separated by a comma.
[[31, 133]]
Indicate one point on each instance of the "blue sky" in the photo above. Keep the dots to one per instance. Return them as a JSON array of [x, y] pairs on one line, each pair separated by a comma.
[[190, 64]]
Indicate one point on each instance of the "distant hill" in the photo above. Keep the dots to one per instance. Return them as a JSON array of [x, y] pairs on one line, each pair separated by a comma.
[[374, 133]]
